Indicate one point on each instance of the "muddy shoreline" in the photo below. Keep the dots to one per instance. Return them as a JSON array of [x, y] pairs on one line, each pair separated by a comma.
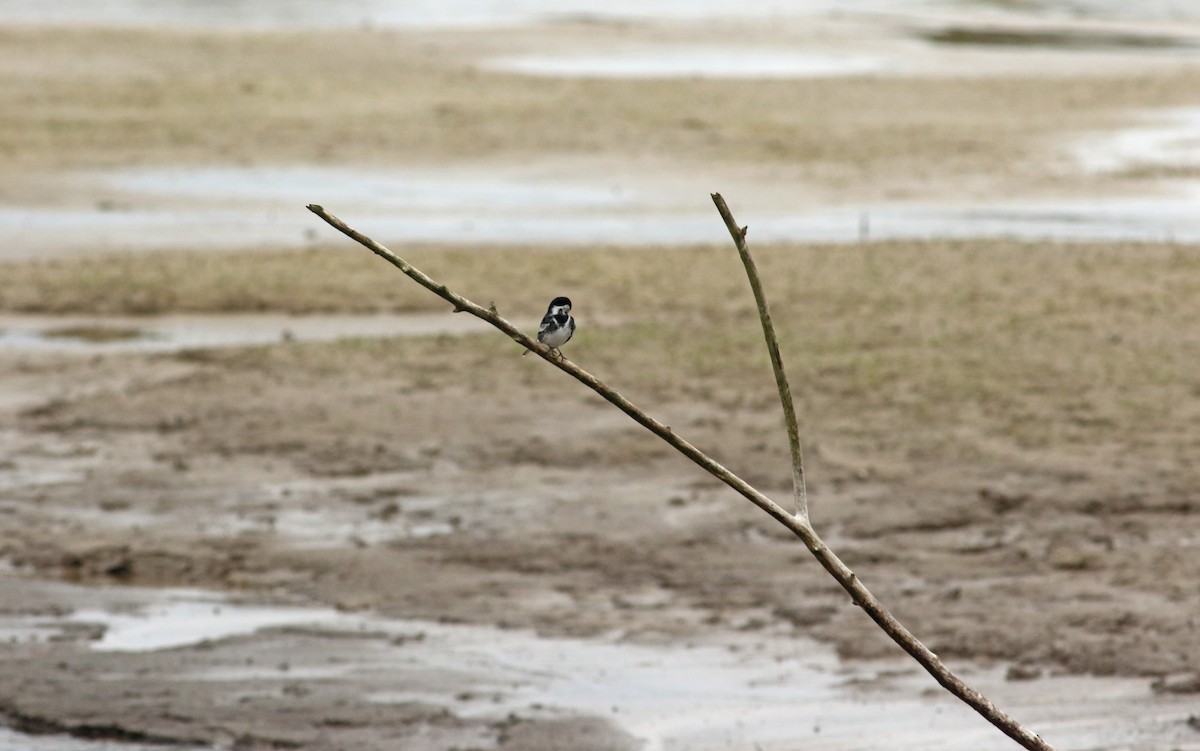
[[269, 496], [427, 493]]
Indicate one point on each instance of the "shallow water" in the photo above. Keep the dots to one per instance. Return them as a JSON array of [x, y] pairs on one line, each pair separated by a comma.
[[548, 204], [66, 232], [174, 333], [722, 692], [186, 618], [687, 62], [1162, 139]]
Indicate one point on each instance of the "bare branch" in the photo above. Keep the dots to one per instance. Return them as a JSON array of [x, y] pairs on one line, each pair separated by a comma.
[[781, 382], [799, 526]]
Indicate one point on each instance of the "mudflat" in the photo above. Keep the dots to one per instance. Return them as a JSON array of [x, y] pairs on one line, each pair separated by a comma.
[[1001, 436]]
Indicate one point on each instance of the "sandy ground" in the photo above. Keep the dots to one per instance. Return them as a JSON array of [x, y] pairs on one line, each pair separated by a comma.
[[1001, 437]]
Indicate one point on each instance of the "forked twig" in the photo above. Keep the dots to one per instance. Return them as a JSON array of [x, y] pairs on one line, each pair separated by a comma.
[[799, 525], [781, 382]]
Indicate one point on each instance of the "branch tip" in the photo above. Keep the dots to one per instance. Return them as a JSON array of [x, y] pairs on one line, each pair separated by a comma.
[[738, 233]]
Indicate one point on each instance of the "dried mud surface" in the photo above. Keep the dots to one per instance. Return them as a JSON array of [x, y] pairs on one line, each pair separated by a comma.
[[544, 509]]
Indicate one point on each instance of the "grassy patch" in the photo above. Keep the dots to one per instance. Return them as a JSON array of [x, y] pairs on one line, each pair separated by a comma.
[[900, 344]]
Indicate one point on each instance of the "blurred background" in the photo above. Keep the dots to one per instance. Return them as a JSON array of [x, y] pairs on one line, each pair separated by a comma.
[[553, 124], [260, 491]]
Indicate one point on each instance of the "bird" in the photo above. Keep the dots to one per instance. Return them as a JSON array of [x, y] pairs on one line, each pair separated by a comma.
[[557, 326]]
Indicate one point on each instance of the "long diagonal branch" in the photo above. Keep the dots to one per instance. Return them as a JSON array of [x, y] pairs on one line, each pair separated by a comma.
[[798, 525], [781, 382]]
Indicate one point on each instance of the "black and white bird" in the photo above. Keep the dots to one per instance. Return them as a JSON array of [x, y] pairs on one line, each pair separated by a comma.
[[557, 325]]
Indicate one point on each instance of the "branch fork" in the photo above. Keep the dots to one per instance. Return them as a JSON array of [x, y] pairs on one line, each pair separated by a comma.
[[797, 522]]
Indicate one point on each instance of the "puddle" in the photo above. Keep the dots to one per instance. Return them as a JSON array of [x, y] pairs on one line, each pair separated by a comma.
[[111, 334], [523, 189], [144, 620], [1168, 139], [189, 618], [703, 62], [550, 204], [729, 691]]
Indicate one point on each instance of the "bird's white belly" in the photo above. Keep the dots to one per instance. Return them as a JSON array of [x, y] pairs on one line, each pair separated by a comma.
[[557, 337]]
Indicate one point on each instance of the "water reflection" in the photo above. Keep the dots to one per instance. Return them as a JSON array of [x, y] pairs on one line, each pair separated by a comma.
[[782, 688], [89, 335]]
